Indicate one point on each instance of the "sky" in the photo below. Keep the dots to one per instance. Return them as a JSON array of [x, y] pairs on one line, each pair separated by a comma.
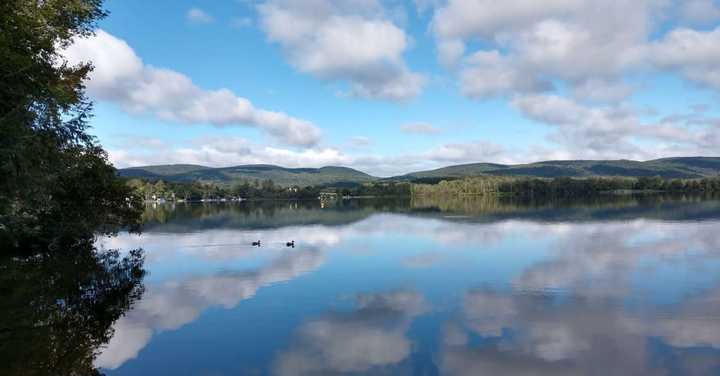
[[391, 86]]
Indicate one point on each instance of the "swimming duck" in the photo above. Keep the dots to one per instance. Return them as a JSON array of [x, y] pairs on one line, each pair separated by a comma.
[[290, 244], [256, 244]]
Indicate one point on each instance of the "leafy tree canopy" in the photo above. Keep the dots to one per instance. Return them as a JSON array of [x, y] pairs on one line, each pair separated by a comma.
[[55, 180]]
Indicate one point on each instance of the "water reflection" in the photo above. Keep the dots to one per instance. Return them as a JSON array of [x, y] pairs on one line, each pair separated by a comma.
[[57, 309], [539, 334], [627, 286], [600, 259], [170, 305], [368, 339]]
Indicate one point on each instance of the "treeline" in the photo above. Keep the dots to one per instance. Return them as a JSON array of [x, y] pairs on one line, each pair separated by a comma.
[[387, 189], [208, 191], [563, 187], [253, 190]]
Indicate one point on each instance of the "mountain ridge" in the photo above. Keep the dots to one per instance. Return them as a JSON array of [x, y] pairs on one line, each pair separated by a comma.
[[284, 176], [675, 167]]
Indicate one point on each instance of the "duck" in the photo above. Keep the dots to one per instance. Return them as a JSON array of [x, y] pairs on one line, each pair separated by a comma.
[[256, 244], [290, 244]]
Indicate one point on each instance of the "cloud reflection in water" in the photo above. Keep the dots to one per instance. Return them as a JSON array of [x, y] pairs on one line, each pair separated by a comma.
[[580, 308]]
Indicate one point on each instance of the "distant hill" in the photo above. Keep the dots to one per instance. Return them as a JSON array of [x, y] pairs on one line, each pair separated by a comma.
[[330, 175], [161, 171], [685, 167]]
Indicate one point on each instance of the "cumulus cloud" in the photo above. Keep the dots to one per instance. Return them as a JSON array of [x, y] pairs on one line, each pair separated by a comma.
[[695, 55], [198, 16], [483, 18], [488, 74], [575, 58], [230, 151], [346, 40], [420, 128], [120, 76], [599, 132], [578, 131], [527, 44], [477, 151]]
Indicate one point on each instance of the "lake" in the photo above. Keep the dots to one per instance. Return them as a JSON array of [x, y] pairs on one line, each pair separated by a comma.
[[426, 287]]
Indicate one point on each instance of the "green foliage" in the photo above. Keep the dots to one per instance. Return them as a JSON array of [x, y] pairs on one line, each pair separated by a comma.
[[209, 191], [253, 189], [379, 190], [59, 296], [562, 187], [54, 179]]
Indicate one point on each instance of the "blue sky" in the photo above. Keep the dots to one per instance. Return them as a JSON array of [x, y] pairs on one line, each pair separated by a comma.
[[390, 86]]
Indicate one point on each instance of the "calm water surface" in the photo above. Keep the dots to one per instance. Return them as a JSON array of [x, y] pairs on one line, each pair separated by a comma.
[[626, 287]]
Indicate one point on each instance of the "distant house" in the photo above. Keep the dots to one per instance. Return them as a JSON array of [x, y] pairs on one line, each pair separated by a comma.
[[327, 196]]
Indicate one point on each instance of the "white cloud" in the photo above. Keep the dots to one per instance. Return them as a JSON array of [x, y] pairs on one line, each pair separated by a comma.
[[344, 40], [578, 131], [231, 151], [198, 16], [694, 54], [419, 128], [120, 76], [608, 132], [488, 74], [569, 64], [483, 18], [477, 151], [588, 45], [600, 90], [526, 44]]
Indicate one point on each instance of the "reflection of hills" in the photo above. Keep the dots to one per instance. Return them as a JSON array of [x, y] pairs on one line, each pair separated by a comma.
[[600, 208], [278, 214], [264, 214]]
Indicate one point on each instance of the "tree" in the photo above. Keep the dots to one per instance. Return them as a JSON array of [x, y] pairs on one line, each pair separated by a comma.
[[160, 189], [58, 309], [51, 169]]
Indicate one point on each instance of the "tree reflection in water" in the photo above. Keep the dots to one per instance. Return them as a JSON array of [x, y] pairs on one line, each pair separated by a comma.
[[57, 309]]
